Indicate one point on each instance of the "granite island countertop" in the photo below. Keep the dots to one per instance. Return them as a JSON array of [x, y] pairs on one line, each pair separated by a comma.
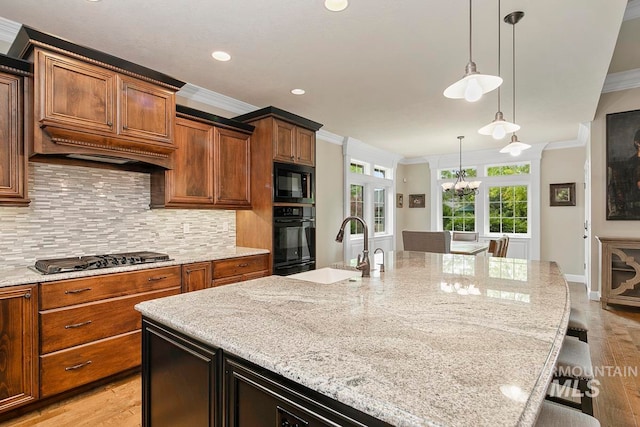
[[25, 275], [442, 340]]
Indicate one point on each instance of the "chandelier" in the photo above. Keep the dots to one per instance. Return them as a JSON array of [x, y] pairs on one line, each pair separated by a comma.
[[461, 187]]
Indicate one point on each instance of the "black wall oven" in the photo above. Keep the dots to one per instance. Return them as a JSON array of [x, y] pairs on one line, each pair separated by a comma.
[[294, 239], [293, 183]]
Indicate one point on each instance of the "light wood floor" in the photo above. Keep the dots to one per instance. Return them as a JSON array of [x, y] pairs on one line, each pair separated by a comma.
[[614, 341]]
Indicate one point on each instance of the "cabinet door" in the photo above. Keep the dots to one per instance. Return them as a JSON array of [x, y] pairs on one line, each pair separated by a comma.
[[283, 141], [305, 146], [18, 352], [13, 182], [190, 182], [179, 380], [196, 276], [146, 111], [232, 169], [74, 93]]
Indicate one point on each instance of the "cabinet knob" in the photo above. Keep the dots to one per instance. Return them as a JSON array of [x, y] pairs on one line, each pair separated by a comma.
[[293, 157], [109, 124], [27, 295], [125, 127]]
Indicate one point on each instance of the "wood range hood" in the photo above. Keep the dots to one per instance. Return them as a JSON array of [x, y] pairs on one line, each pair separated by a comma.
[[88, 106]]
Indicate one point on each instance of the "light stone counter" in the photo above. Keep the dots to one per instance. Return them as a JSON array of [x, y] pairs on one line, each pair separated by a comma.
[[25, 275], [446, 340]]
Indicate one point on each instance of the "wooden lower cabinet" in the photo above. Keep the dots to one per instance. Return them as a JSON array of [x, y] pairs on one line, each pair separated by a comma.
[[18, 348], [239, 269], [620, 271], [180, 384], [196, 276], [189, 383], [89, 328]]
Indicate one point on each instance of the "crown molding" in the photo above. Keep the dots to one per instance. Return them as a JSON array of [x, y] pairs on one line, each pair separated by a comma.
[[584, 131], [8, 30], [621, 81], [215, 99], [632, 11], [330, 137]]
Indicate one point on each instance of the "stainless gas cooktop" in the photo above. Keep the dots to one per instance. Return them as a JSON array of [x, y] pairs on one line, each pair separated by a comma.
[[63, 265]]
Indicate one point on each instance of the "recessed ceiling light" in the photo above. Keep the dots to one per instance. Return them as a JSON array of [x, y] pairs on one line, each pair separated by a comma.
[[297, 91], [336, 5], [221, 56]]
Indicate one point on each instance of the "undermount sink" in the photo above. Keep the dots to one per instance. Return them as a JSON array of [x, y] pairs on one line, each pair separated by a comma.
[[326, 275]]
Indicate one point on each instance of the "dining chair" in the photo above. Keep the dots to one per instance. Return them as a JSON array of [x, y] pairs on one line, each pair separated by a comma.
[[498, 247], [465, 236], [427, 241], [504, 247]]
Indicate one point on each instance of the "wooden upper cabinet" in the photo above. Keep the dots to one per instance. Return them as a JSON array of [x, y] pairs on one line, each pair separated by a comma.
[[146, 111], [283, 141], [232, 168], [305, 146], [19, 350], [293, 144], [211, 168], [13, 170], [189, 182], [75, 93]]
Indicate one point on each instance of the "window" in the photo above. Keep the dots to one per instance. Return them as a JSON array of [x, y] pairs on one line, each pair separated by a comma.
[[458, 213], [379, 210], [357, 207], [512, 169], [379, 172], [357, 168], [508, 208]]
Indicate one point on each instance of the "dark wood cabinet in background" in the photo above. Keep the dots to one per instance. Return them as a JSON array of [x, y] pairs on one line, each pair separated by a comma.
[[196, 276], [212, 164], [19, 348], [13, 162]]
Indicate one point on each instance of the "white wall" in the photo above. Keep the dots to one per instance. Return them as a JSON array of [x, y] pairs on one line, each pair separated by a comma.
[[413, 179], [329, 202], [561, 227]]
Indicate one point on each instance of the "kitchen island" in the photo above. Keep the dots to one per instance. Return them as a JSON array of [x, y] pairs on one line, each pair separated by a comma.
[[434, 340]]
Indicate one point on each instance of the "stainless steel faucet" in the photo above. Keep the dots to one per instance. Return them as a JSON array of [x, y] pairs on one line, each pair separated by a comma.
[[374, 258], [363, 263]]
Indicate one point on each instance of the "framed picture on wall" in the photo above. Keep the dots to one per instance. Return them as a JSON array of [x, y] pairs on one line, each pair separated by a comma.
[[562, 194], [399, 200], [623, 165], [416, 200]]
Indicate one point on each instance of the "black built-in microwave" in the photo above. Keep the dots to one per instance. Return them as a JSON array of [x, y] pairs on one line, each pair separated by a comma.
[[293, 183]]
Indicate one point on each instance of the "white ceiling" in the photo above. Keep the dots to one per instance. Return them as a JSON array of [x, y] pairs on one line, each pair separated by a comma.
[[374, 72]]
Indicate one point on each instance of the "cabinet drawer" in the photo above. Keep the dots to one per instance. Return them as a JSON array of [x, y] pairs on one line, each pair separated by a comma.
[[67, 369], [66, 327], [239, 266], [86, 289]]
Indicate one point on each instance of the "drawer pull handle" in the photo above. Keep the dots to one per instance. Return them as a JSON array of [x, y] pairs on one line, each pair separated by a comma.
[[76, 291], [78, 325], [244, 264], [81, 365], [155, 279]]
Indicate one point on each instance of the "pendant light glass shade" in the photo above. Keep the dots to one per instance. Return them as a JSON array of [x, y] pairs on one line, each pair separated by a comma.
[[473, 84], [499, 127], [515, 147]]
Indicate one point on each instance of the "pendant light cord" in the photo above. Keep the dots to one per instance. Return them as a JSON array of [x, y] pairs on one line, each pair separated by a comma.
[[499, 72], [514, 74], [470, 31]]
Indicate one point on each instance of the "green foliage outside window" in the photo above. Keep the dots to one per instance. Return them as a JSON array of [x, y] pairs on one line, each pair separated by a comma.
[[514, 169], [508, 209], [458, 213], [357, 207]]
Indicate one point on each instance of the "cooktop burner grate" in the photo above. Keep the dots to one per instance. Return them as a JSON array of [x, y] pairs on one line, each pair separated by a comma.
[[63, 265]]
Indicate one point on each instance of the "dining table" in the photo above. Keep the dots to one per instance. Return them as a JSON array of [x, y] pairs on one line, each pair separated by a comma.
[[468, 248]]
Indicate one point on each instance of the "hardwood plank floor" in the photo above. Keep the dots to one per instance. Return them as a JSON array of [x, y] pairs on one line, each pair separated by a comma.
[[614, 341]]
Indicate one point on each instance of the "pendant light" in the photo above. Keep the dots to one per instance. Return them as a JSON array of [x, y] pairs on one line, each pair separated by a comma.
[[473, 84], [514, 147], [499, 127], [461, 187]]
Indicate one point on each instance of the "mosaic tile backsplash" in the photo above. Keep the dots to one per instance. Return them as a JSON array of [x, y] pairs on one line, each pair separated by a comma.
[[77, 211]]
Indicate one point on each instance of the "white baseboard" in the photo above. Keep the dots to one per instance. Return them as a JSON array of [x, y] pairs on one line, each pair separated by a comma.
[[575, 278], [594, 295]]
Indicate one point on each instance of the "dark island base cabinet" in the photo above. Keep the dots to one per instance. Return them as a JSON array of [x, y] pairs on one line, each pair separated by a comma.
[[187, 383]]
